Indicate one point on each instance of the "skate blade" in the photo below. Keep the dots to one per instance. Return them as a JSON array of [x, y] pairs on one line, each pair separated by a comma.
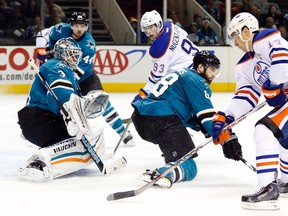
[[270, 205]]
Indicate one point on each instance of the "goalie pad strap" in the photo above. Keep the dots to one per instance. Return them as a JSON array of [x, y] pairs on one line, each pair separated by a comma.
[[271, 126]]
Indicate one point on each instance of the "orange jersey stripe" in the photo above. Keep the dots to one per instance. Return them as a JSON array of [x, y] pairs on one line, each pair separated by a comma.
[[267, 163], [247, 92], [279, 117], [284, 167]]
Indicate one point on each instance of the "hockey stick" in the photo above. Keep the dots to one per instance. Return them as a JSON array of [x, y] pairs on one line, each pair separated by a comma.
[[116, 165], [110, 155], [247, 164], [126, 121], [132, 193]]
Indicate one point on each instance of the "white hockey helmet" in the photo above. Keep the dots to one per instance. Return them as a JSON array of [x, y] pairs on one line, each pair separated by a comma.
[[240, 21], [151, 18]]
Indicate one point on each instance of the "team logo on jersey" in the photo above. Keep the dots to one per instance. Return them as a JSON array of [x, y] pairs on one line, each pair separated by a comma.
[[111, 61], [91, 45], [261, 72]]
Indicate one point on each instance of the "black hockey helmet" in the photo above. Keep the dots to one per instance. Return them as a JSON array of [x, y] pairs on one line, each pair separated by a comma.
[[79, 17], [205, 58]]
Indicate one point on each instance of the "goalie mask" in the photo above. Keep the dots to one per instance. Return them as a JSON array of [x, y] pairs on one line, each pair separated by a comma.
[[68, 50]]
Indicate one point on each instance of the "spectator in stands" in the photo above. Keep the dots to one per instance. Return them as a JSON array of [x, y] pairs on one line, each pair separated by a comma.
[[192, 36], [54, 18], [255, 11], [283, 32], [197, 18], [246, 6], [173, 16], [32, 10], [206, 34], [32, 30], [16, 22], [134, 25], [278, 17], [270, 23], [3, 17], [50, 3], [213, 10]]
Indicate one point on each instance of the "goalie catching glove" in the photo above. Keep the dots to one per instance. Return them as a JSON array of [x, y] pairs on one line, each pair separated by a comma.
[[80, 109]]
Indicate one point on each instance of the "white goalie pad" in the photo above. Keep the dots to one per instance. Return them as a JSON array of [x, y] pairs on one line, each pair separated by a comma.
[[63, 158]]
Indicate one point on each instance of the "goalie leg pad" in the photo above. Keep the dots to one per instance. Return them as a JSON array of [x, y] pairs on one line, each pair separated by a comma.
[[62, 158], [37, 168], [71, 156]]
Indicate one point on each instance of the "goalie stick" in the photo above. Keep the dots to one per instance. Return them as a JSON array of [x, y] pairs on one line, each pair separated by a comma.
[[111, 154], [132, 193], [121, 162]]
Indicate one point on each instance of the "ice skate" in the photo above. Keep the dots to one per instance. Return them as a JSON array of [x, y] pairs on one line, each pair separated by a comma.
[[283, 188], [264, 199], [36, 170], [149, 175]]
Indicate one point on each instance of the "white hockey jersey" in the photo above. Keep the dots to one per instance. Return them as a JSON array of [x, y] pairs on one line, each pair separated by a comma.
[[171, 51], [269, 60], [42, 38]]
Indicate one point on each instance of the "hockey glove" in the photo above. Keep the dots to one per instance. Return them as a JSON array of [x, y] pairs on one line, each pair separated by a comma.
[[274, 95], [141, 94], [232, 148], [95, 103], [219, 122], [40, 57], [76, 121]]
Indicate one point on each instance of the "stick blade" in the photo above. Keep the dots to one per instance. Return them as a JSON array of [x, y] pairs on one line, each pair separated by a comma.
[[121, 195], [120, 163]]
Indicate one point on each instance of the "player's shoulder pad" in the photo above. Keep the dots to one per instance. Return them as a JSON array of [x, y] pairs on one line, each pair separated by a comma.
[[61, 29], [161, 44], [191, 76], [265, 33], [246, 57]]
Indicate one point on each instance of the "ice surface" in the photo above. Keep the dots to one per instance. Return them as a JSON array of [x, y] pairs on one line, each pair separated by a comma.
[[216, 190]]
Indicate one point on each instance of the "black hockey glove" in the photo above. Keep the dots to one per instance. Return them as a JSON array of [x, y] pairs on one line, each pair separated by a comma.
[[232, 148]]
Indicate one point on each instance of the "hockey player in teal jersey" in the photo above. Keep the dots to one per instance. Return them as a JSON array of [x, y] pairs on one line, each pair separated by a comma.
[[88, 80], [45, 124], [179, 100]]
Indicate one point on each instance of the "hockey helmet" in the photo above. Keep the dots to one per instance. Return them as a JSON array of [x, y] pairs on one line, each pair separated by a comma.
[[240, 21], [79, 17], [68, 49], [205, 58], [151, 18]]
